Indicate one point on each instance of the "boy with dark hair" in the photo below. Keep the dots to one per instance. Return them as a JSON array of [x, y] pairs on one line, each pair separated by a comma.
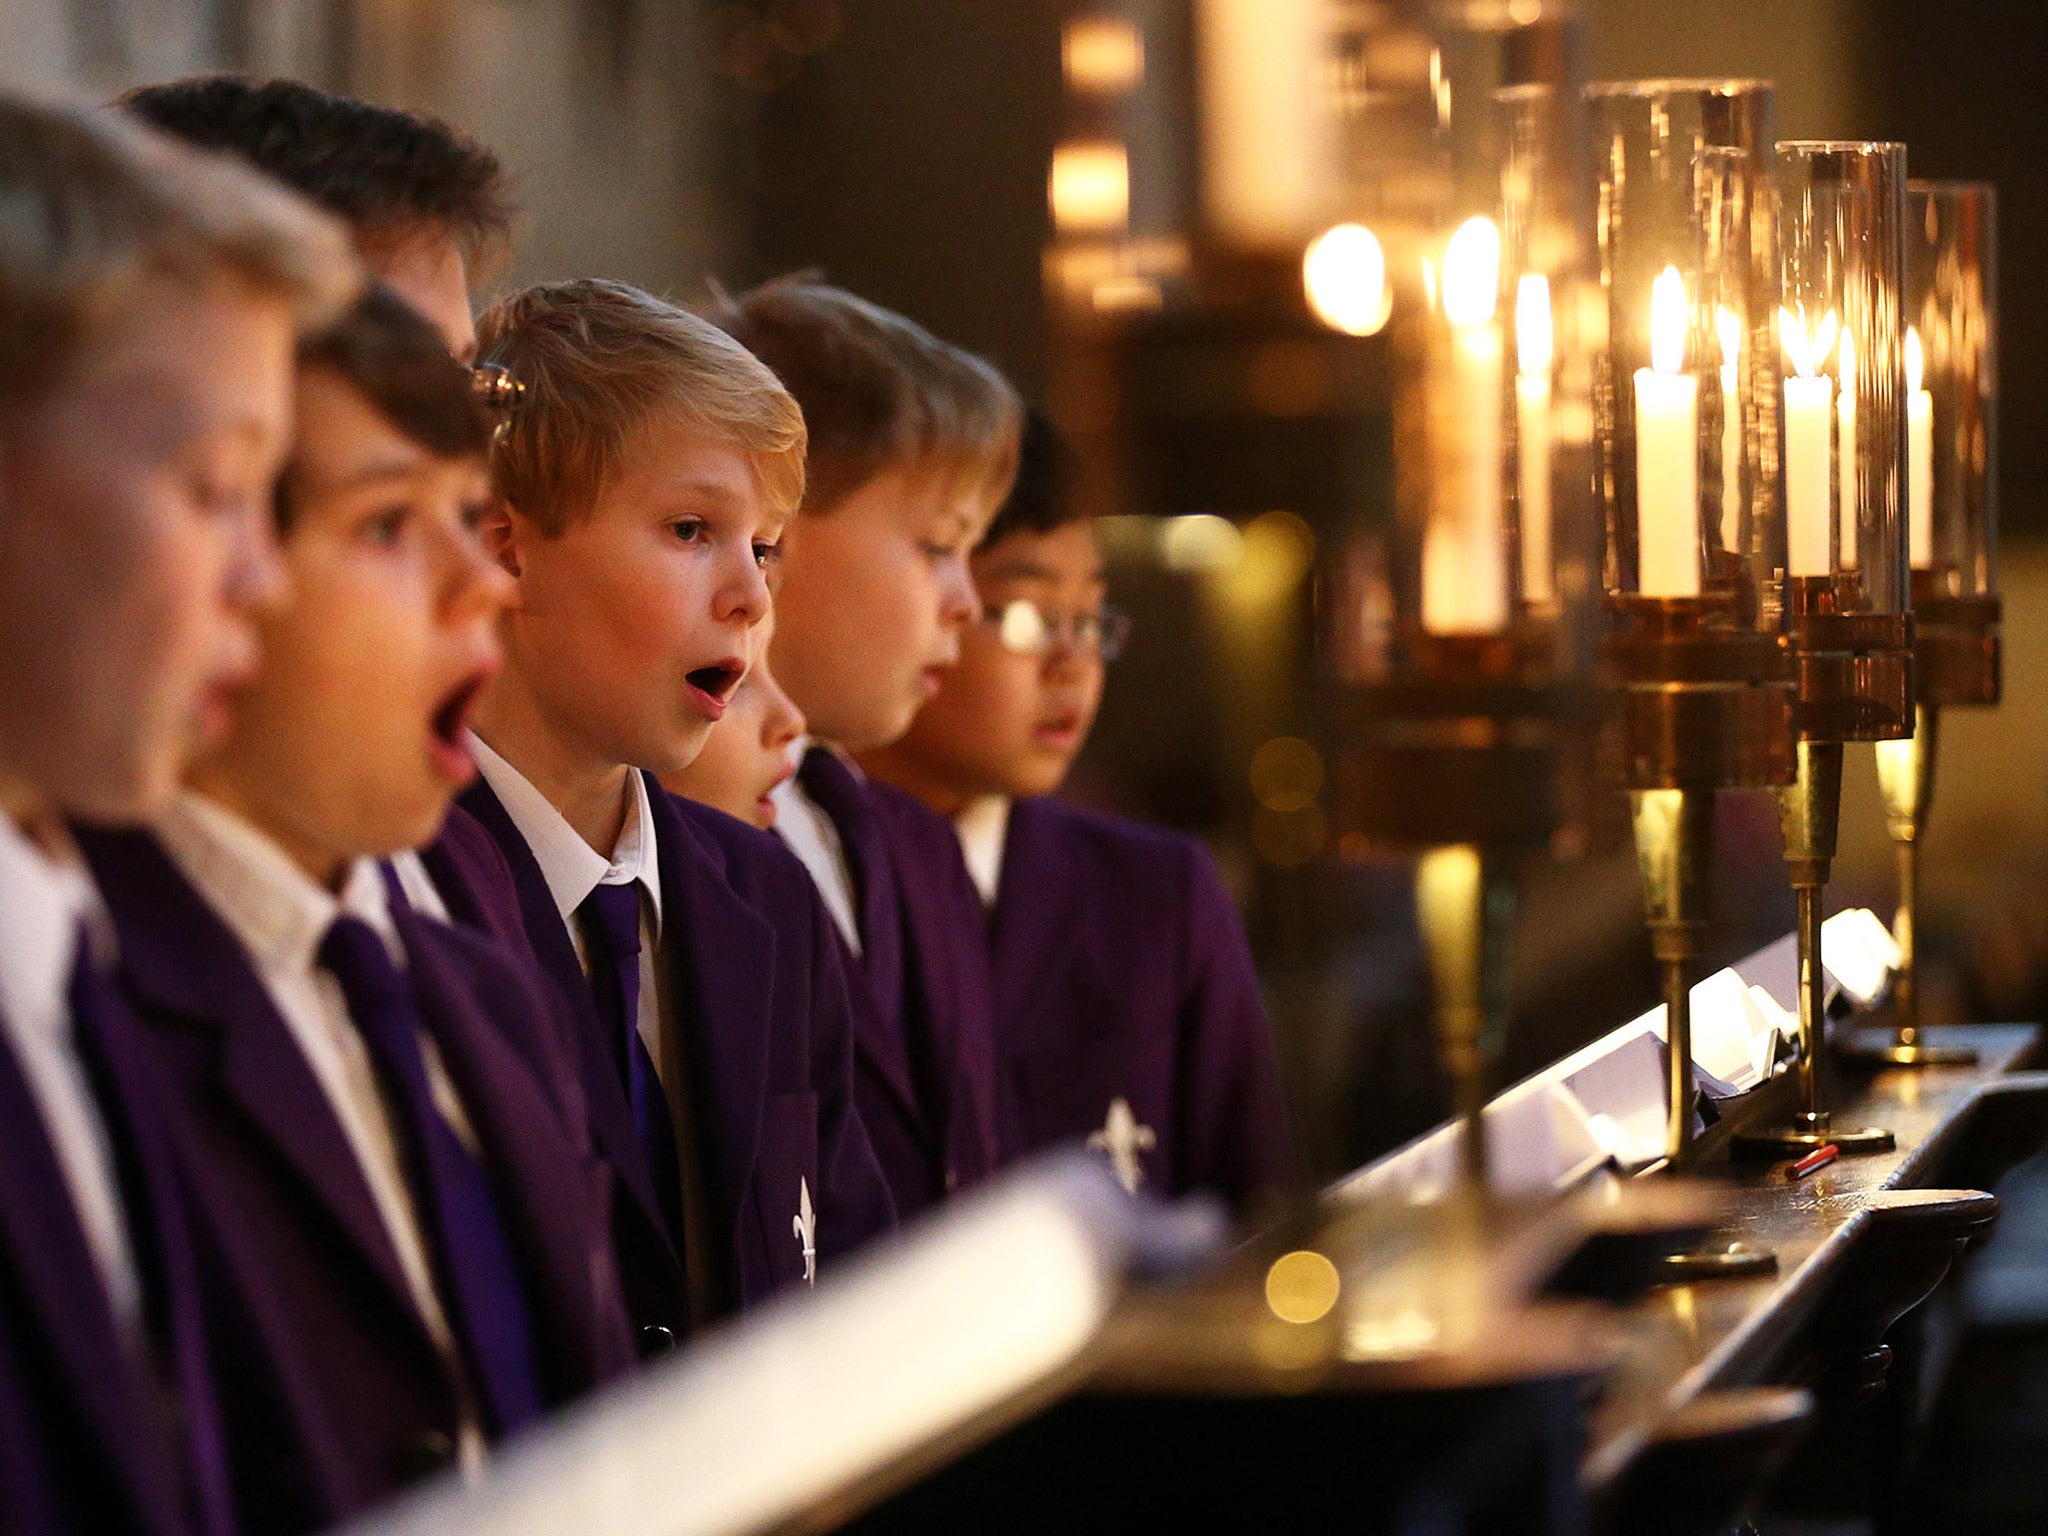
[[426, 202], [913, 445], [1127, 1011], [148, 302], [640, 485], [383, 1117]]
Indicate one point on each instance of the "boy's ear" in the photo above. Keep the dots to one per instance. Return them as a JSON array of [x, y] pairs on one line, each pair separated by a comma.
[[499, 535]]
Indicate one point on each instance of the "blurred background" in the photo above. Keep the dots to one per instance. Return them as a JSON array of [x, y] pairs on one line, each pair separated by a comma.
[[900, 147]]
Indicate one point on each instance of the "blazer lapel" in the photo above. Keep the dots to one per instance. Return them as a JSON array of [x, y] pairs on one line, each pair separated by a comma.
[[180, 960], [62, 1287], [1031, 930], [528, 1152], [718, 949], [611, 1116]]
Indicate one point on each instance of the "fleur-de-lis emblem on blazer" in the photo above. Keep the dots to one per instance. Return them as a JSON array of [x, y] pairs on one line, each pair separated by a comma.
[[805, 1224], [1122, 1139]]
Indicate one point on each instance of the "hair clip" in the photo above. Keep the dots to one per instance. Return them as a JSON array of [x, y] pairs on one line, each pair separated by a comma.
[[495, 388]]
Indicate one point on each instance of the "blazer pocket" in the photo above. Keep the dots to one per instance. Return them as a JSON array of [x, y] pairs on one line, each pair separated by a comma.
[[785, 1188]]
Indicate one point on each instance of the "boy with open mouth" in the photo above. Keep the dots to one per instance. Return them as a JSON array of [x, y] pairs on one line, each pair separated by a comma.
[[388, 1135], [640, 482]]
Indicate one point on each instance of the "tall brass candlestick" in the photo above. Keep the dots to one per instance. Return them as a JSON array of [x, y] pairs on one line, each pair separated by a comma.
[[1464, 905]]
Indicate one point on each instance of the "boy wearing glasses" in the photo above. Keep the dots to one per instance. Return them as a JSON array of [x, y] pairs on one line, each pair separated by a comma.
[[1126, 1009]]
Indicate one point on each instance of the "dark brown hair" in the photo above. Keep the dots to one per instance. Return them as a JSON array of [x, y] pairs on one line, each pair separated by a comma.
[[878, 391], [1038, 501], [387, 173]]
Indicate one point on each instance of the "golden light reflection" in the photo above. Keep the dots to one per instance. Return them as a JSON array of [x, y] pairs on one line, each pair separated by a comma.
[[1535, 331], [1807, 349], [1344, 275], [1201, 541], [1102, 54], [1287, 774], [1670, 318], [1916, 361], [1090, 186], [1471, 276], [1729, 328], [1302, 1286]]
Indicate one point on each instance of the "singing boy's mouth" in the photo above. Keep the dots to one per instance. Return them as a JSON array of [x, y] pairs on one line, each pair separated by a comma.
[[449, 742], [711, 687]]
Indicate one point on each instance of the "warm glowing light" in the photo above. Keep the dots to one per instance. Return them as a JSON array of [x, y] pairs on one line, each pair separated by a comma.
[[1302, 1286], [1201, 541], [1730, 330], [1808, 350], [1535, 338], [1344, 274], [1102, 54], [1090, 188], [1670, 318], [1471, 275], [1916, 361], [1848, 364]]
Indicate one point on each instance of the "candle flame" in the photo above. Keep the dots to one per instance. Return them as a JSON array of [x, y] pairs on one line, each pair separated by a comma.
[[1730, 329], [1848, 364], [1535, 338], [1471, 275], [1916, 361], [1344, 274], [1670, 316], [1807, 350]]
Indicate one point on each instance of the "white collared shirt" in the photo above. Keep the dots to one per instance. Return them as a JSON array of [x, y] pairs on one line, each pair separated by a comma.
[[43, 900], [814, 839], [281, 917], [573, 869], [982, 826]]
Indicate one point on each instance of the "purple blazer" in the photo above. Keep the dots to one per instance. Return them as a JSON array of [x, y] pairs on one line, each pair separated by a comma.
[[1122, 972], [762, 1000], [86, 1445], [333, 1391], [927, 1078]]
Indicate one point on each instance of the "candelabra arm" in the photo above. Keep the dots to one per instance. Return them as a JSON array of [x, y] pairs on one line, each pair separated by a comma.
[[1464, 903]]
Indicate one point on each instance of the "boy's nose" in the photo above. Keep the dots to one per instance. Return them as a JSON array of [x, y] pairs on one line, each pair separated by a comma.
[[256, 578], [961, 602]]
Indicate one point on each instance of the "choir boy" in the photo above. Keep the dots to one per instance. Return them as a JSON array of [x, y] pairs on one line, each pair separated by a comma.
[[387, 1130], [913, 444], [148, 303], [1127, 1010], [747, 756], [426, 203], [640, 486]]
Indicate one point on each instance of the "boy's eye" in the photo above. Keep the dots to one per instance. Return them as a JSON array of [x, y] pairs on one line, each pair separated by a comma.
[[688, 531], [767, 556], [388, 526], [473, 516]]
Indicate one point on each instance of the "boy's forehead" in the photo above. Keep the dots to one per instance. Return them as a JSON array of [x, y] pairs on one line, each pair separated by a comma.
[[1066, 554], [345, 443]]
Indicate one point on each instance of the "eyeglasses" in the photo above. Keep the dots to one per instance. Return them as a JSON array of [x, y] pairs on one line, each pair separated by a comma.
[[1025, 629]]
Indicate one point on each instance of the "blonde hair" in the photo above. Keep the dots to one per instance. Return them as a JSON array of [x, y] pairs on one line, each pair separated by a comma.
[[592, 361], [878, 391], [92, 205]]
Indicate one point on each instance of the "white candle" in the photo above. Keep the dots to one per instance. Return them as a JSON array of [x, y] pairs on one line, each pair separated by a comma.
[[1809, 423], [1264, 155], [1919, 458], [1667, 452], [1464, 551], [1845, 449], [1534, 343], [1730, 330]]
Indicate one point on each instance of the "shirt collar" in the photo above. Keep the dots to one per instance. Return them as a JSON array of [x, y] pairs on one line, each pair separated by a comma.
[[273, 907], [571, 867], [44, 898], [982, 826]]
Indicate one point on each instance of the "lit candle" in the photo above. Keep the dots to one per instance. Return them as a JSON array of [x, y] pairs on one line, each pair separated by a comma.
[[1919, 457], [1534, 343], [1667, 451], [1730, 330], [1464, 553], [1845, 447], [1809, 478]]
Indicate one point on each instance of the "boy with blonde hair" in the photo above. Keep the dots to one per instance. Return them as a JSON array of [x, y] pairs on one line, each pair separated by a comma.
[[641, 481], [913, 446], [149, 299]]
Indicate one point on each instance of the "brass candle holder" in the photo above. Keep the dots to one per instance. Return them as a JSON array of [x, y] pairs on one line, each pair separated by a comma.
[[1689, 432], [1952, 518], [1848, 622]]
